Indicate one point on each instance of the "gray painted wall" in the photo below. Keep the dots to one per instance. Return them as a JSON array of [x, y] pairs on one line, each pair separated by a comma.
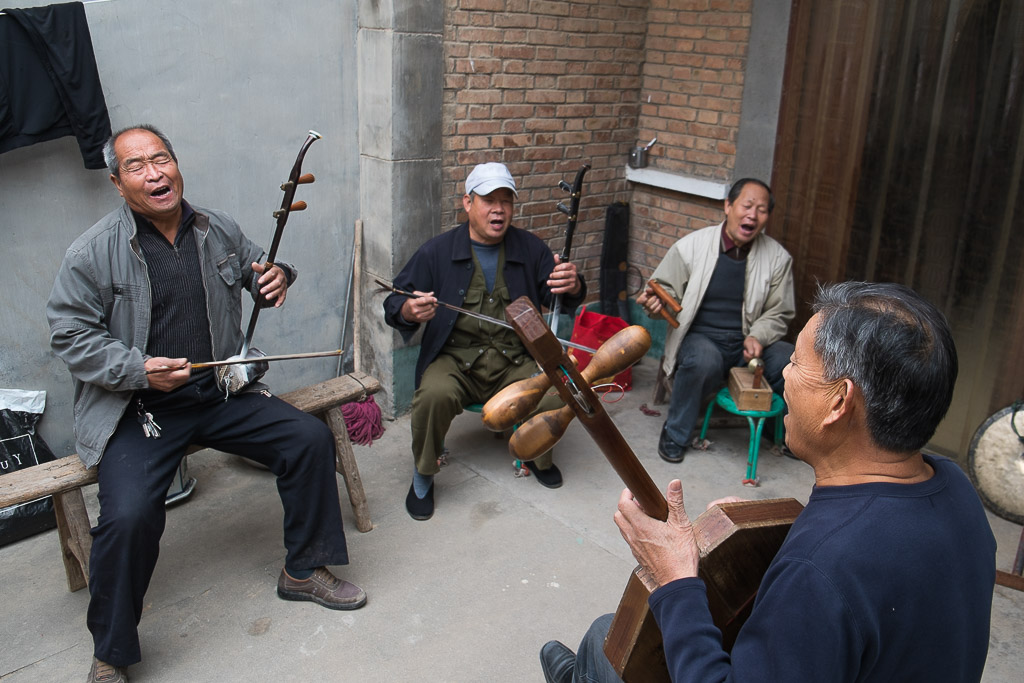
[[400, 88], [762, 89], [235, 84]]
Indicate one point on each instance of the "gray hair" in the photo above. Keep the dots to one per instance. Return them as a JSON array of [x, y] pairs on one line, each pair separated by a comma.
[[899, 351], [110, 156]]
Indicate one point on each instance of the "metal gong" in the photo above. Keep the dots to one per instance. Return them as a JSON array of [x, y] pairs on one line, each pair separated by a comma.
[[996, 463]]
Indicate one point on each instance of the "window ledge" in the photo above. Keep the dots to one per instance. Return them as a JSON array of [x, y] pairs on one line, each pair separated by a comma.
[[679, 183]]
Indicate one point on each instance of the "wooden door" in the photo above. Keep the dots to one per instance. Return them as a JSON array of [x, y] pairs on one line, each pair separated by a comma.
[[899, 159]]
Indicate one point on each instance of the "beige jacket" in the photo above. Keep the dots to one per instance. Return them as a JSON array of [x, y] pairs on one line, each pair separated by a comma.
[[768, 302]]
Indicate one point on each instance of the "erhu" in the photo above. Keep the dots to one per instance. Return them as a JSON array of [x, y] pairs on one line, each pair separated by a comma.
[[572, 212], [233, 377]]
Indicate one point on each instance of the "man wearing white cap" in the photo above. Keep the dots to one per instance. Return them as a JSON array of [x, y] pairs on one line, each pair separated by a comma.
[[482, 265]]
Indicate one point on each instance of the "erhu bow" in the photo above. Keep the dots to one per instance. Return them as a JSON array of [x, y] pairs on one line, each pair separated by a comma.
[[235, 377], [238, 361], [390, 287], [573, 212]]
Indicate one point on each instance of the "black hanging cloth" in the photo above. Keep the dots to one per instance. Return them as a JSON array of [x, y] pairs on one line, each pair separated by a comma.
[[49, 83]]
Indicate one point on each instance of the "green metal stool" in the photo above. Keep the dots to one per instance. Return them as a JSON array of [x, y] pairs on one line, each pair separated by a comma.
[[755, 418]]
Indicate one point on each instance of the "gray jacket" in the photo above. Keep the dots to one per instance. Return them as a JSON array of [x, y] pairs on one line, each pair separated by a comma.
[[99, 313]]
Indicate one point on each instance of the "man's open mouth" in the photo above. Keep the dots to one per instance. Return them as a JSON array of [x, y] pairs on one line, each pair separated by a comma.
[[161, 191]]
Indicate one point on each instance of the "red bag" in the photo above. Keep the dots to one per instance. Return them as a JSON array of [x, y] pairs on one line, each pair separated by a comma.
[[593, 329]]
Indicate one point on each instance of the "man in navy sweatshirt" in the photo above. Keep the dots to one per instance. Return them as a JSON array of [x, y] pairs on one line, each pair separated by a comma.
[[888, 572]]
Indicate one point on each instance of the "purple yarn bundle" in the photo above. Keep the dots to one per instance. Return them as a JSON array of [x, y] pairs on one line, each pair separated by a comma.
[[362, 418]]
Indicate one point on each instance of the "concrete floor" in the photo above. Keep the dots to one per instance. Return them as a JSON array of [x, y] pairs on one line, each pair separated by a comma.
[[471, 595]]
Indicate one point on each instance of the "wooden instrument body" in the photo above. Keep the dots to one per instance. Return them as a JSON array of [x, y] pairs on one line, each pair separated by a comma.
[[747, 391], [737, 542]]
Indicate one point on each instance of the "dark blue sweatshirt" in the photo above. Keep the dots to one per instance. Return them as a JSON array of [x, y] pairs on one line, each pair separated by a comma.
[[875, 582]]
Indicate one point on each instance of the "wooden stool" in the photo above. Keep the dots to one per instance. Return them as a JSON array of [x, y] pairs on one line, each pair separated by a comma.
[[755, 419], [662, 385], [64, 478]]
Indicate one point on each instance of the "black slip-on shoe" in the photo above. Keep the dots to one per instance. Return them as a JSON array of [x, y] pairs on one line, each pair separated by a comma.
[[557, 662], [420, 508], [550, 478], [669, 450]]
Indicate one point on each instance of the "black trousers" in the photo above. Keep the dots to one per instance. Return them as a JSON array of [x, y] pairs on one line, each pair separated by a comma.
[[135, 473]]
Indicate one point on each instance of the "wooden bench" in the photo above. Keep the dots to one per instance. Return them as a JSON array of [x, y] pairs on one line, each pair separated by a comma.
[[64, 478]]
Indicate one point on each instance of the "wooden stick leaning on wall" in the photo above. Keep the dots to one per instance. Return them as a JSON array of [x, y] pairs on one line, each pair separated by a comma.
[[346, 315], [357, 296]]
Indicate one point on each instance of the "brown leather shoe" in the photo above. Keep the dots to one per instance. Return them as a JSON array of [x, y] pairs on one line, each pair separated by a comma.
[[323, 588], [101, 672]]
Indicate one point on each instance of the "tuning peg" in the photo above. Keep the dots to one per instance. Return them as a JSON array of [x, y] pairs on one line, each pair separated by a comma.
[[304, 179], [297, 206], [563, 208], [565, 186]]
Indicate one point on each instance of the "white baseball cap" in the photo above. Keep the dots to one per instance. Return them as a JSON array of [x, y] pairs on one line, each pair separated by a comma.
[[486, 178]]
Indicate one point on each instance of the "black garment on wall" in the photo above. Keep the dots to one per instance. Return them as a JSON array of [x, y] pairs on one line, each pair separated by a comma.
[[49, 83]]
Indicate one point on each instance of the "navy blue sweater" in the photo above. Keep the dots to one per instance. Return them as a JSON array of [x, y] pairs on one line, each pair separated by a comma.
[[875, 582]]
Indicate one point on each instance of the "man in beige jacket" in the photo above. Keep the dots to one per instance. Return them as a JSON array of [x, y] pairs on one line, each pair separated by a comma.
[[735, 285]]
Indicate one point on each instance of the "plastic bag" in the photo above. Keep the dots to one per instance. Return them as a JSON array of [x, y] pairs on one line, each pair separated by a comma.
[[593, 329], [20, 447]]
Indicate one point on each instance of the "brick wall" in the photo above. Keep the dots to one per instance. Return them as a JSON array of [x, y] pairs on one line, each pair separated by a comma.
[[544, 86], [693, 84], [691, 93]]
